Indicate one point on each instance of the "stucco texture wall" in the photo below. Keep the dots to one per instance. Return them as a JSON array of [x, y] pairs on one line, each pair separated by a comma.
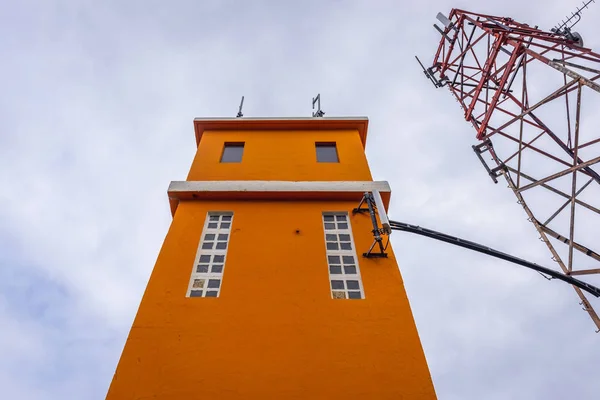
[[276, 155], [274, 332]]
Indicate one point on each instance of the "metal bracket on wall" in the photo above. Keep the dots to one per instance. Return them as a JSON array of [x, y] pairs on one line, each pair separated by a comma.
[[369, 200], [481, 148]]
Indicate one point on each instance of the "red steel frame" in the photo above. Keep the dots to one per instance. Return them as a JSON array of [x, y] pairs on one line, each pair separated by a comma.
[[486, 62]]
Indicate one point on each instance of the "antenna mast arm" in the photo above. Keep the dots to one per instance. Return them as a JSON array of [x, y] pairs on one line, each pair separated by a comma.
[[401, 226]]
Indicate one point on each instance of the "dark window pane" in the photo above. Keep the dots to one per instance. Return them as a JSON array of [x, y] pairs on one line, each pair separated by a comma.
[[214, 283], [350, 284], [348, 259], [214, 218], [345, 246], [333, 259], [202, 268], [335, 269], [329, 226], [216, 269], [337, 284], [232, 152], [326, 152], [349, 269], [209, 236], [342, 225], [213, 293], [351, 295], [226, 218], [218, 259], [225, 225], [221, 245], [196, 293], [207, 245], [223, 236], [332, 246], [213, 225], [344, 237], [204, 258], [340, 217], [328, 217], [330, 238]]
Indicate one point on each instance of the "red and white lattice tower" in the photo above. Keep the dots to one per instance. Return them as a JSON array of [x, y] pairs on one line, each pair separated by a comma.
[[532, 98]]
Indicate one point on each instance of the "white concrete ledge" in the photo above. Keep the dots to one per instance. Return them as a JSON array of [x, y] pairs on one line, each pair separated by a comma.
[[274, 190]]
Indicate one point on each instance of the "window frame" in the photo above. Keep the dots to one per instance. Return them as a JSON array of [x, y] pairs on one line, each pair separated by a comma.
[[327, 145], [230, 145], [216, 256], [341, 253]]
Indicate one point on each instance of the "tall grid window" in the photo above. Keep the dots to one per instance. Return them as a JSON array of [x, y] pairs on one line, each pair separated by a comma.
[[207, 274], [344, 274]]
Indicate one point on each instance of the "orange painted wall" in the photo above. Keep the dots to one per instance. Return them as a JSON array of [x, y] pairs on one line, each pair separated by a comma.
[[273, 155], [275, 332]]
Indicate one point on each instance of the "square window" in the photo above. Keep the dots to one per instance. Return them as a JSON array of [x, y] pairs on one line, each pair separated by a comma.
[[344, 238], [214, 283], [214, 218], [221, 245], [337, 284], [352, 284], [342, 225], [330, 238], [338, 295], [205, 258], [225, 225], [328, 218], [348, 259], [329, 226], [352, 295], [333, 259], [326, 152], [198, 283], [349, 269], [218, 259], [345, 246], [196, 293], [216, 269], [213, 293], [335, 269], [340, 217], [232, 153], [213, 225], [209, 236], [332, 246], [202, 269], [226, 218], [223, 236], [207, 245]]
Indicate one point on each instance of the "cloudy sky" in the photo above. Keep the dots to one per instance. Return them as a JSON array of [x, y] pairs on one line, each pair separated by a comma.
[[97, 109]]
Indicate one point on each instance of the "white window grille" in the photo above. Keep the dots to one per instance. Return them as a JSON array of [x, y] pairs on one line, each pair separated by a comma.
[[207, 275], [344, 273]]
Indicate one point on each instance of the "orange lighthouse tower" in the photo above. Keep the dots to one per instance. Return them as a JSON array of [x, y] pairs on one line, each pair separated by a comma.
[[261, 290]]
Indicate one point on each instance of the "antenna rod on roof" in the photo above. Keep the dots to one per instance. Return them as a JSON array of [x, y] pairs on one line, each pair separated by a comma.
[[319, 112], [239, 114]]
